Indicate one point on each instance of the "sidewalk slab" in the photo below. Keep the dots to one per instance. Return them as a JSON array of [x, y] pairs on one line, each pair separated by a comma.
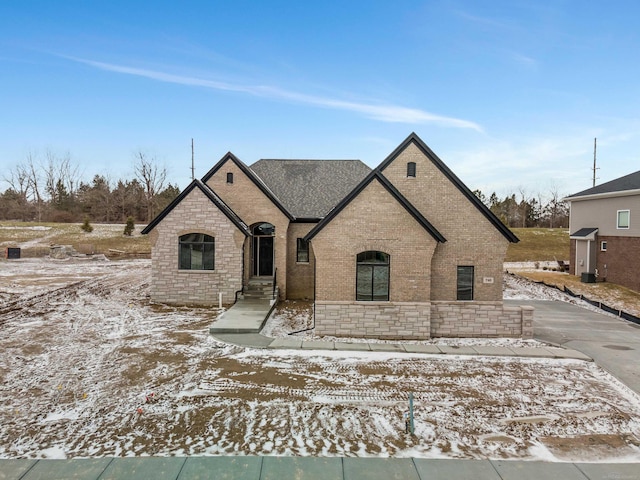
[[144, 468], [445, 469], [414, 348], [619, 471], [568, 353], [221, 468], [318, 345], [10, 469], [360, 347], [449, 350], [251, 340], [286, 343], [494, 351], [386, 347], [380, 469], [531, 352], [521, 470], [301, 468], [67, 469]]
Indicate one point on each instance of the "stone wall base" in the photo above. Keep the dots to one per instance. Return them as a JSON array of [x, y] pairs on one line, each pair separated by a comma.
[[414, 321], [385, 320], [480, 319]]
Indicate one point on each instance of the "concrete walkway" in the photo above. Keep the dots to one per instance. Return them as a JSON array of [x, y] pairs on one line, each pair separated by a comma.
[[308, 468], [247, 315]]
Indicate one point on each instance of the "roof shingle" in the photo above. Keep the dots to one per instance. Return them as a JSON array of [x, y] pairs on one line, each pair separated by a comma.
[[310, 188], [628, 182]]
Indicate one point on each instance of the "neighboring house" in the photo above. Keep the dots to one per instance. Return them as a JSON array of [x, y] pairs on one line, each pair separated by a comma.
[[604, 226], [401, 251]]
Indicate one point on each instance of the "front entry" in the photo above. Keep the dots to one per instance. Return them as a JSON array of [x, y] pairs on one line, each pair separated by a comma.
[[262, 249]]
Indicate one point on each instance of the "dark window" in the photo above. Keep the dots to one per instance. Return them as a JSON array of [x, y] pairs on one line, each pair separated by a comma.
[[603, 246], [197, 252], [411, 169], [229, 177], [302, 255], [372, 276], [465, 283]]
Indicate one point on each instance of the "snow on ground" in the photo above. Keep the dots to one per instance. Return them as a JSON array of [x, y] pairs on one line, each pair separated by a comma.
[[90, 368]]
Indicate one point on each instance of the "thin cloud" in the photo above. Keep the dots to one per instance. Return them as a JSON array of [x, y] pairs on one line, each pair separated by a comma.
[[381, 112]]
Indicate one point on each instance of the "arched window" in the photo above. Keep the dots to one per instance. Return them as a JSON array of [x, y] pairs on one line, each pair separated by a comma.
[[411, 169], [372, 276], [197, 252]]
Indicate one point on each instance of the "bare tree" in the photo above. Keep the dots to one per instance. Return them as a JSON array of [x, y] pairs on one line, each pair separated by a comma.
[[152, 178]]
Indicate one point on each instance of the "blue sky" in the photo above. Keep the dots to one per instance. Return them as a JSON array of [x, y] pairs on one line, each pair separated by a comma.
[[510, 94]]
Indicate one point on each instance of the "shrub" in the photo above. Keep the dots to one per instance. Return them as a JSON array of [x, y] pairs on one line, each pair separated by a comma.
[[86, 226], [128, 228]]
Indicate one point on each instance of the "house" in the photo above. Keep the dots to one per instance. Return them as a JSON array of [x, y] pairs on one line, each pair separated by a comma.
[[402, 251], [604, 226]]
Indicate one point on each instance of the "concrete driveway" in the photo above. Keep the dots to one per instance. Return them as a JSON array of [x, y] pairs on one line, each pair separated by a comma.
[[613, 343]]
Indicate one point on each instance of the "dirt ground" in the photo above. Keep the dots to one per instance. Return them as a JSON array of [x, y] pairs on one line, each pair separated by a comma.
[[88, 367]]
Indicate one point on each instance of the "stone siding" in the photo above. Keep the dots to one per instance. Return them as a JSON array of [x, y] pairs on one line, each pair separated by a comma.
[[171, 285], [480, 319], [387, 320]]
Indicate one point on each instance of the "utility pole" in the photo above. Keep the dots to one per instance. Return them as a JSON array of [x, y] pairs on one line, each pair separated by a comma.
[[193, 168], [594, 162]]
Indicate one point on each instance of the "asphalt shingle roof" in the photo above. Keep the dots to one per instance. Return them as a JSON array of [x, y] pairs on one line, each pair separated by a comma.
[[310, 188], [628, 182]]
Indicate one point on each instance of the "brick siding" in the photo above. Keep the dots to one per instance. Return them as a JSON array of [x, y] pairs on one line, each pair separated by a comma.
[[622, 259]]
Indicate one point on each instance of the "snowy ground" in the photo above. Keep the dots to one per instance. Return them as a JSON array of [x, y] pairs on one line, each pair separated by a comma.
[[89, 368]]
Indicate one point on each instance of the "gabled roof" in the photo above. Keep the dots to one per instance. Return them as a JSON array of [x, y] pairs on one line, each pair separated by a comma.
[[622, 184], [217, 201], [252, 176], [376, 175], [310, 188], [475, 201]]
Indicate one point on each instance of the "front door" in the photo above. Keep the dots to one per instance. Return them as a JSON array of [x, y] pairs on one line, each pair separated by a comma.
[[262, 247]]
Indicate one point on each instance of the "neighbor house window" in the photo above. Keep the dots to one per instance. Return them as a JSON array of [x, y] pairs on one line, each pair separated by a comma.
[[229, 177], [623, 218], [302, 255], [197, 252], [411, 169], [603, 246], [465, 283], [372, 276]]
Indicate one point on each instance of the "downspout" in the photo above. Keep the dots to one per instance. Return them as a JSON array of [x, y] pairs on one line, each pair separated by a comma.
[[242, 277], [313, 313], [588, 256]]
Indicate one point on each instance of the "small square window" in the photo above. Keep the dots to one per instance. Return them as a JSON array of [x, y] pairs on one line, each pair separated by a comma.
[[623, 218], [302, 255], [603, 246], [229, 177]]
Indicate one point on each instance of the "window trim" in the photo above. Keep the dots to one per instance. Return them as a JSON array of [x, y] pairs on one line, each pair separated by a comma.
[[373, 266], [603, 246], [411, 169], [205, 242], [300, 241], [229, 177], [462, 288], [628, 212]]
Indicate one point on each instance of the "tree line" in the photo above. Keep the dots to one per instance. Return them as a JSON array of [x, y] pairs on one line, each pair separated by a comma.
[[523, 210], [51, 189]]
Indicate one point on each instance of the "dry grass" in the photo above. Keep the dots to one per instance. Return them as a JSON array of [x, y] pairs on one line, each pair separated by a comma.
[[539, 244], [35, 238], [609, 293]]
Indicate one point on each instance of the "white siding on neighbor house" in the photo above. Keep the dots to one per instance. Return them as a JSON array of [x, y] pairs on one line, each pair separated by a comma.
[[602, 213]]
